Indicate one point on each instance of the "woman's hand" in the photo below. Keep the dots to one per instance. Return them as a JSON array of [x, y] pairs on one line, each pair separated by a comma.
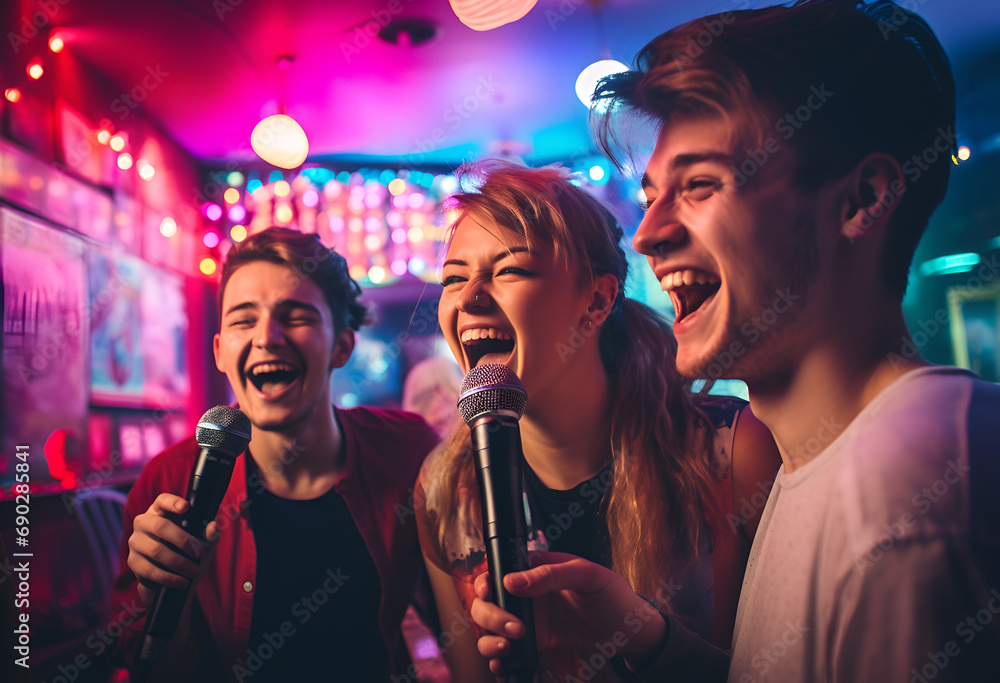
[[161, 553], [577, 604]]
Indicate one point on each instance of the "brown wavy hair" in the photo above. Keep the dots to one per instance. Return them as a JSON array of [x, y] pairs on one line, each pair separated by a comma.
[[663, 473]]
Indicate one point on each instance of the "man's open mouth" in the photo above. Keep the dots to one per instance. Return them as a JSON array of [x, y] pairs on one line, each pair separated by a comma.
[[487, 345], [273, 377], [689, 290]]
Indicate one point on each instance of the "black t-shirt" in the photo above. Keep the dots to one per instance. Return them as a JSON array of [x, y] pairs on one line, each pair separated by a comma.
[[316, 602], [571, 520]]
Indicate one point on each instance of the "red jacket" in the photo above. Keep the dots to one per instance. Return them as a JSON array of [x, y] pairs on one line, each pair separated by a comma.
[[383, 453]]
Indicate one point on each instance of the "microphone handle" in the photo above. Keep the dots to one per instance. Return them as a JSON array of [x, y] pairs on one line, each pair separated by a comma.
[[206, 488], [496, 445]]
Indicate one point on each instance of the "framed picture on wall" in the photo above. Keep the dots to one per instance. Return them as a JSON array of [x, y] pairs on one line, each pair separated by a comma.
[[975, 329], [45, 353]]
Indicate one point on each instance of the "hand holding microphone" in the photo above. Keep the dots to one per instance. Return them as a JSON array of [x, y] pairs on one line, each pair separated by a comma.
[[491, 402], [174, 529]]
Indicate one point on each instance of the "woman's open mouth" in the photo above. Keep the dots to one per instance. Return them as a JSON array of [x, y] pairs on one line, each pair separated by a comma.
[[487, 345]]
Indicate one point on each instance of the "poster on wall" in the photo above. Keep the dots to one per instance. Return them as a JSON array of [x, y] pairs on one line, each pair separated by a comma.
[[164, 334], [116, 363], [45, 364]]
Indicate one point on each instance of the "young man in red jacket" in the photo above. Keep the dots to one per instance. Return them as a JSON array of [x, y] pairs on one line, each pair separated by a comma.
[[311, 564]]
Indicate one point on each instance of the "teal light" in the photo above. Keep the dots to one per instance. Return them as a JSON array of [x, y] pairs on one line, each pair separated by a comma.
[[275, 177], [945, 265], [343, 177], [387, 176], [254, 185], [234, 179]]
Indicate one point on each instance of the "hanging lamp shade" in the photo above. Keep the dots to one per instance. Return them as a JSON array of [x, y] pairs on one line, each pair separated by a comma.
[[483, 15], [280, 140]]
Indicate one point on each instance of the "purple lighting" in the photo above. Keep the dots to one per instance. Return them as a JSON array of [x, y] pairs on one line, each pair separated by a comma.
[[211, 239], [213, 212], [237, 213]]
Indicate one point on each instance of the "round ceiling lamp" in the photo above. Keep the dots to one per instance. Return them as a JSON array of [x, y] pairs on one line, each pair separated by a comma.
[[483, 15], [279, 140], [588, 79]]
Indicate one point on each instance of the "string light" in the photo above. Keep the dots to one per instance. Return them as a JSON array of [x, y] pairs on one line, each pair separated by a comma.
[[35, 69], [56, 42], [238, 233], [168, 227], [207, 266], [13, 95], [124, 161], [117, 142]]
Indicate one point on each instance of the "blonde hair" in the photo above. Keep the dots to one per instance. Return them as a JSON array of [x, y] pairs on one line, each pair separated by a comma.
[[662, 467]]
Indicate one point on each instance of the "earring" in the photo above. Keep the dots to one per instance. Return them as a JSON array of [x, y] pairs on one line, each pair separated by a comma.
[[477, 297], [590, 322]]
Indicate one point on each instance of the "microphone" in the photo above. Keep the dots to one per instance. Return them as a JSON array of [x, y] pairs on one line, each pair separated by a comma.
[[491, 402], [223, 434]]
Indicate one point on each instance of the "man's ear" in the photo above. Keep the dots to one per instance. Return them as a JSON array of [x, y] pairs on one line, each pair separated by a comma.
[[874, 189], [605, 292], [216, 340], [342, 349]]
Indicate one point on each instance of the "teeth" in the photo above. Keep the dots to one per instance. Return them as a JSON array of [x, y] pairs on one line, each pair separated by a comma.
[[484, 333], [687, 278], [272, 367]]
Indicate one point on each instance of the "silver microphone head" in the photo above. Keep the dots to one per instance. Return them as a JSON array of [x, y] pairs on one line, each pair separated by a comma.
[[491, 390], [225, 428]]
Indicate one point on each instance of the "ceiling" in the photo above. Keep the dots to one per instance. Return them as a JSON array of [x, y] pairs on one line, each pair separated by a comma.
[[460, 95]]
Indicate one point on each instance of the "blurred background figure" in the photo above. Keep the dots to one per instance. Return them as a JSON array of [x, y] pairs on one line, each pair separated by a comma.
[[431, 391]]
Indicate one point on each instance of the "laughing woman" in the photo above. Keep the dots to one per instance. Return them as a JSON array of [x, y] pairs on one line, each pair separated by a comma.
[[624, 468]]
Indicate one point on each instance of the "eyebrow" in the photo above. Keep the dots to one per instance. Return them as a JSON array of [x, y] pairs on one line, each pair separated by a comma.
[[284, 303], [499, 257], [685, 160]]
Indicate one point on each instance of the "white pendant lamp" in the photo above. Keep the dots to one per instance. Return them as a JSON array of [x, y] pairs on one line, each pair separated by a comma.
[[280, 140]]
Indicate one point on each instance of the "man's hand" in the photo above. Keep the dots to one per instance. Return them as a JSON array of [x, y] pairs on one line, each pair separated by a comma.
[[578, 604], [161, 553]]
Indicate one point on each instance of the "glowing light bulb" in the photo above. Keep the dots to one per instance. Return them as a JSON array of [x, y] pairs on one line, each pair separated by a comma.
[[117, 142], [372, 242], [397, 187], [283, 213], [376, 274], [104, 136], [398, 267], [211, 239], [56, 42], [234, 179], [282, 188], [237, 213], [280, 140], [35, 69], [146, 170], [238, 233], [231, 196], [964, 153], [415, 234], [12, 94], [213, 212], [168, 227], [124, 161], [587, 81], [310, 198], [596, 173], [208, 266]]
